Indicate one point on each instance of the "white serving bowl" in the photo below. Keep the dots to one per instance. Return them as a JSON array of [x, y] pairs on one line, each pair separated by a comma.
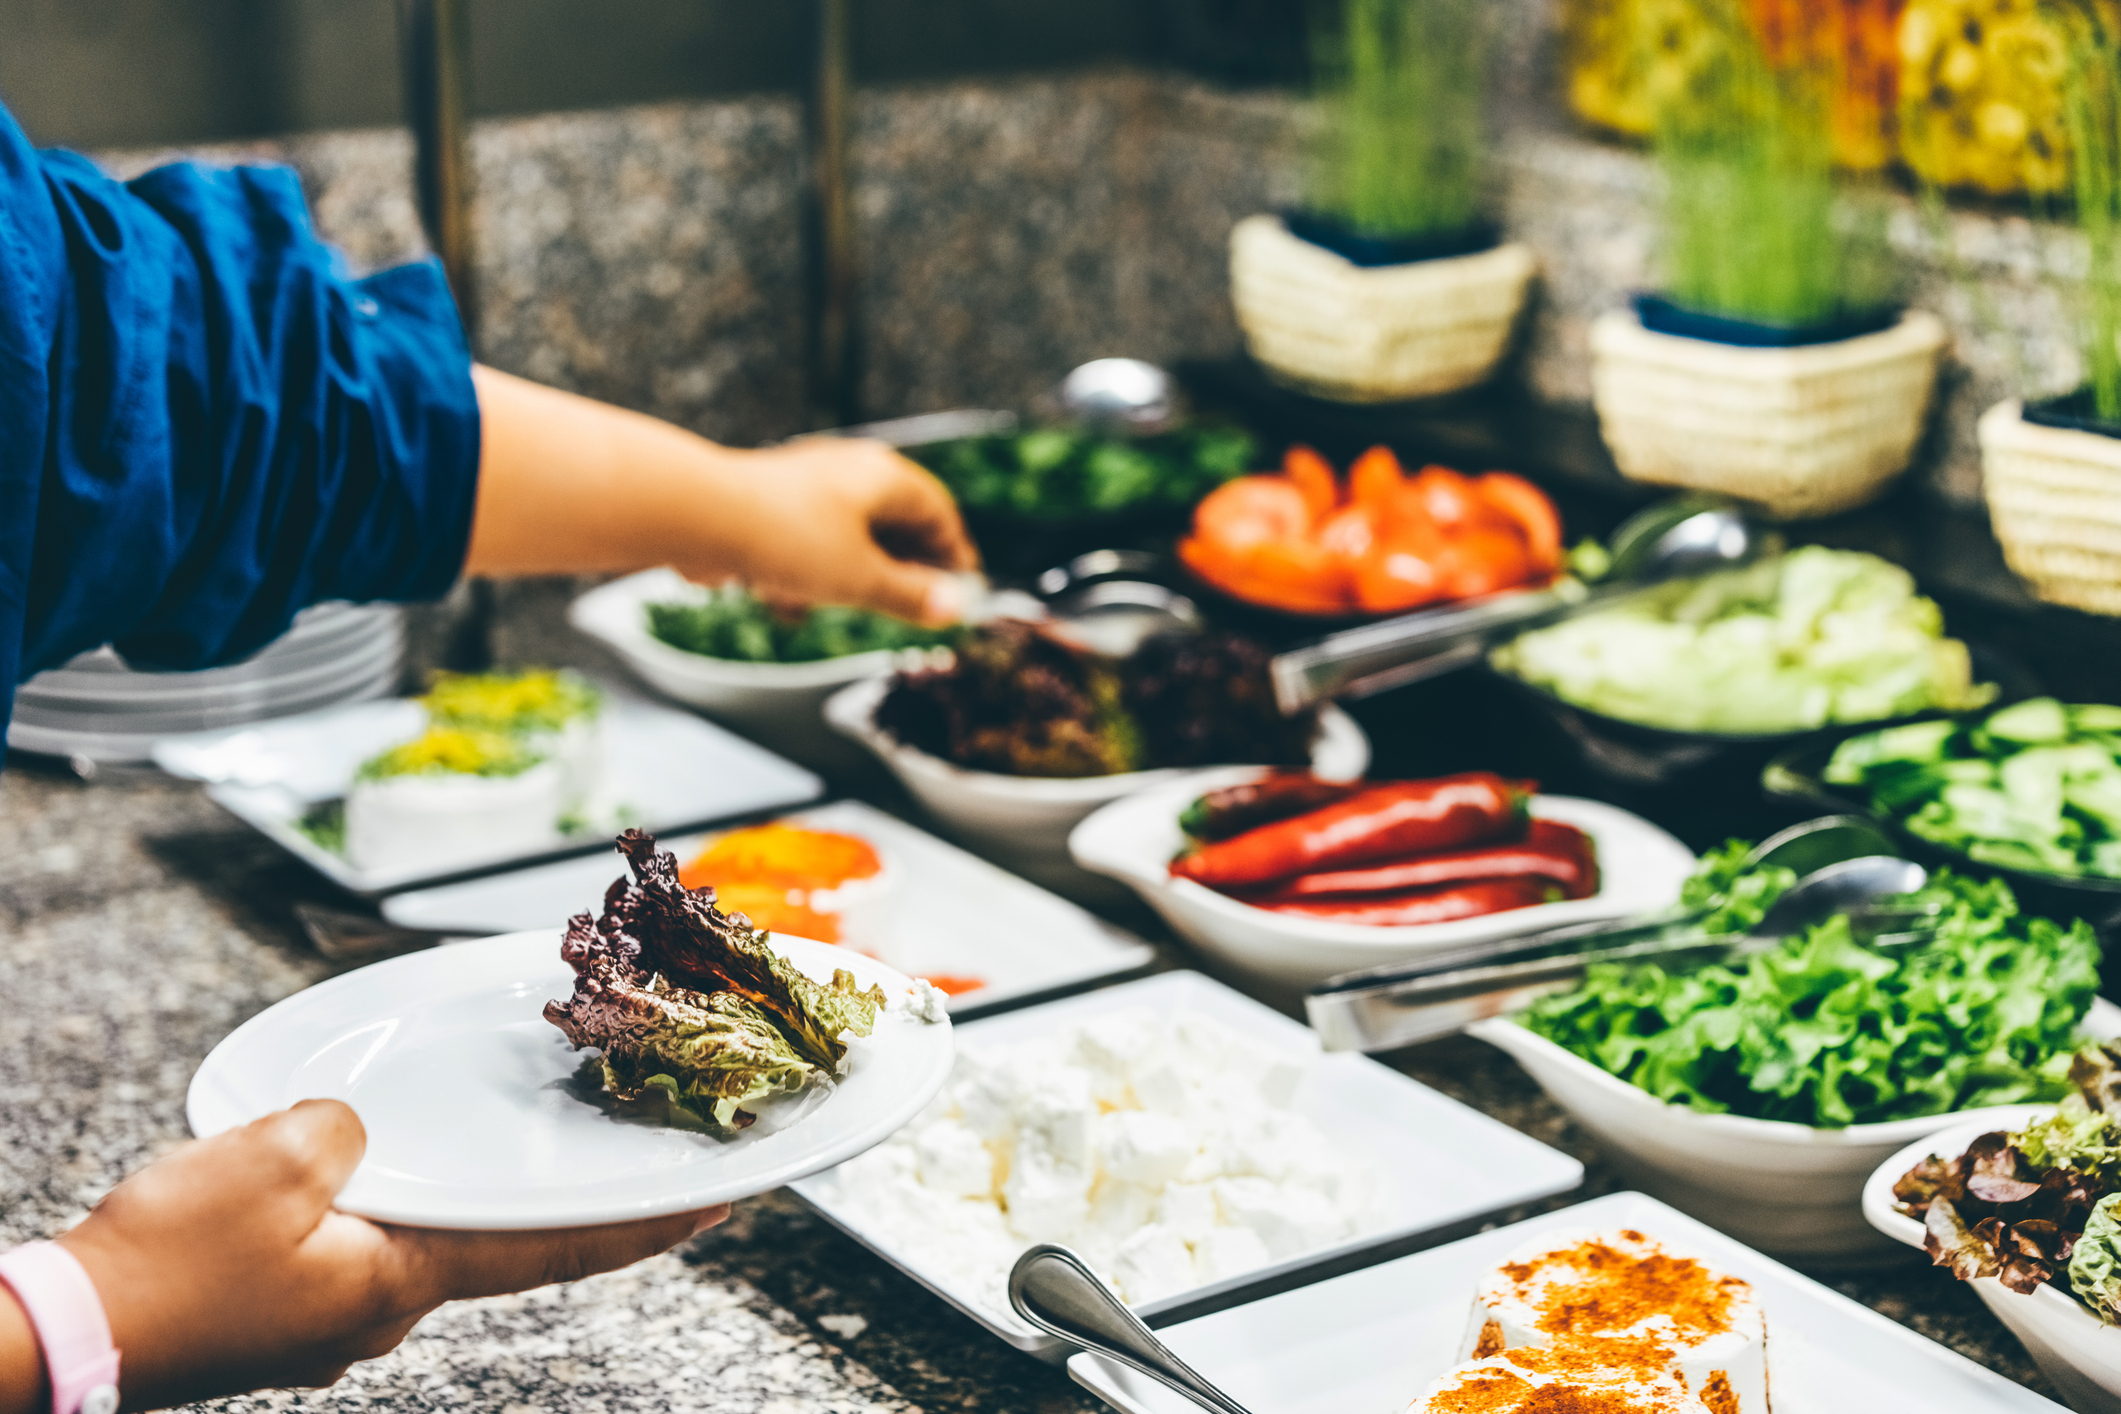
[[776, 703], [2073, 1348], [1785, 1188], [1133, 841], [1023, 822]]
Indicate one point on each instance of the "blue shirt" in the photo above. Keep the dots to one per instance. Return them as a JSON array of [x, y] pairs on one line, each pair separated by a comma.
[[205, 425]]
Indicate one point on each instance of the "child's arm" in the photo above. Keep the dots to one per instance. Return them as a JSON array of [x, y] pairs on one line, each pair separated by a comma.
[[224, 1267]]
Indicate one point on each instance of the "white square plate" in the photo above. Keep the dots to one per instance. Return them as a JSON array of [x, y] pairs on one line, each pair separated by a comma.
[[1369, 1342], [1441, 1167], [951, 914], [667, 769]]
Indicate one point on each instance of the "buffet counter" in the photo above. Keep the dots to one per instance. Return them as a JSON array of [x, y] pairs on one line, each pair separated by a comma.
[[142, 924]]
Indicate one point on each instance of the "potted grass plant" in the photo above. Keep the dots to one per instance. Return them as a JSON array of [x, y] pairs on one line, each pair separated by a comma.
[[1776, 363], [1389, 282], [2051, 470]]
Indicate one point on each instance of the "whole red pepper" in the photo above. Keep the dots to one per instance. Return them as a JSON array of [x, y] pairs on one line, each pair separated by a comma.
[[1232, 810], [1561, 854], [1445, 905], [1395, 818]]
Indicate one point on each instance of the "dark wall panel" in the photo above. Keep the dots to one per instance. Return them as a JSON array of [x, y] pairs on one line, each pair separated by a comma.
[[100, 73]]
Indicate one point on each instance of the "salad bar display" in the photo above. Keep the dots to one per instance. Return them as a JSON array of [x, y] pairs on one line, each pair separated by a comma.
[[1745, 1034]]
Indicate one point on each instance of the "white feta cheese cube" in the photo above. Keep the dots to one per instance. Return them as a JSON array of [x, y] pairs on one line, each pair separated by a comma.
[[951, 1159], [1152, 1264], [1225, 1252], [1047, 1201], [1289, 1220], [1117, 1212], [1054, 1113], [1135, 1146], [1189, 1207]]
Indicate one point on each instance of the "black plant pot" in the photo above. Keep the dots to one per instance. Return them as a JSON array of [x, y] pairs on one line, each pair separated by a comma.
[[2078, 411], [1367, 249], [1664, 316]]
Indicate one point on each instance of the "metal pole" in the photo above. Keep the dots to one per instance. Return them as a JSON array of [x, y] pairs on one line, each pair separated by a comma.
[[835, 394], [434, 37], [434, 41]]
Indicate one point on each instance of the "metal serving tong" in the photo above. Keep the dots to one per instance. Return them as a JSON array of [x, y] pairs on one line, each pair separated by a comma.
[[1688, 535], [1054, 1290], [1846, 866]]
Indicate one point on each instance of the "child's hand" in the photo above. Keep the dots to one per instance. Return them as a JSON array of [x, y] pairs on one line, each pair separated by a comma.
[[224, 1267]]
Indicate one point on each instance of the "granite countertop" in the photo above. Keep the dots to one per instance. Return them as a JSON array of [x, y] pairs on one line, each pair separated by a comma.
[[141, 924]]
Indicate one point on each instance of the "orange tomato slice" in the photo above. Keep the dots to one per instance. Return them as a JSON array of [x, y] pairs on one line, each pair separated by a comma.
[[1312, 476], [1527, 507], [1375, 478], [1252, 510]]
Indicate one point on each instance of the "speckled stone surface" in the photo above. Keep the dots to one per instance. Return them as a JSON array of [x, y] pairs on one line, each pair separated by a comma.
[[139, 924]]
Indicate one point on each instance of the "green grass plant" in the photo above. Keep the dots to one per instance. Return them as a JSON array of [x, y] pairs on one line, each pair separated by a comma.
[[1755, 224], [1401, 82], [2091, 91]]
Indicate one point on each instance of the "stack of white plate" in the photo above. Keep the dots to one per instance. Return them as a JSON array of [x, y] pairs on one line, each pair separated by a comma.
[[98, 708]]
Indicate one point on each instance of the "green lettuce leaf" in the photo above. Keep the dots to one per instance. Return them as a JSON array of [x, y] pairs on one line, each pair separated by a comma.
[[1821, 1030], [2095, 1264]]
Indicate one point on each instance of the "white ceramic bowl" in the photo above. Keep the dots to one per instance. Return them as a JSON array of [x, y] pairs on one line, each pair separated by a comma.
[[1023, 822], [776, 703], [1785, 1188], [1134, 840], [2073, 1348]]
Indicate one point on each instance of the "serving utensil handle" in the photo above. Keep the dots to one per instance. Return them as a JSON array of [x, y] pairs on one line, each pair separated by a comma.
[[1372, 657], [1055, 1290]]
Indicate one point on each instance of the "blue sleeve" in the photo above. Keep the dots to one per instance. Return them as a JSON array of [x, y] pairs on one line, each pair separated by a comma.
[[205, 426]]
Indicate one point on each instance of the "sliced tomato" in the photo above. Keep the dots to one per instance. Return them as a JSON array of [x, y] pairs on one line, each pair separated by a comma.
[[1266, 575], [1392, 581], [1485, 559], [1348, 534], [1448, 498], [1527, 507], [1252, 510], [1298, 573], [1375, 479], [1312, 475]]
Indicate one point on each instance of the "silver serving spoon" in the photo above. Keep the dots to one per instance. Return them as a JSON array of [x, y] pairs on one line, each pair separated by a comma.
[[1055, 1290], [1671, 540], [1384, 1008], [1126, 397]]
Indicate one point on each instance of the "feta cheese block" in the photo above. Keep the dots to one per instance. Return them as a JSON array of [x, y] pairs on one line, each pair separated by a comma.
[[451, 796], [1636, 1303], [1546, 1381], [1164, 1148]]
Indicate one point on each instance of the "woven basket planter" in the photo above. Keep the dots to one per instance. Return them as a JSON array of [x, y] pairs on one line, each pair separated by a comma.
[[1370, 334], [2054, 497], [1803, 431]]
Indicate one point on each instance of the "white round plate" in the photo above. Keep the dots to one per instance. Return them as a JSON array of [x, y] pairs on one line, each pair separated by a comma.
[[474, 1115]]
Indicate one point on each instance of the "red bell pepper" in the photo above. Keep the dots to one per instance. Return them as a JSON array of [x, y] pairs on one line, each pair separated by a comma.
[[1445, 905], [1384, 821], [1220, 814], [1560, 854]]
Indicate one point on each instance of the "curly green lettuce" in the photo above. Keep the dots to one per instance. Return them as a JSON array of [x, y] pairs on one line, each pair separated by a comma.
[[2095, 1263], [681, 998], [1821, 1030]]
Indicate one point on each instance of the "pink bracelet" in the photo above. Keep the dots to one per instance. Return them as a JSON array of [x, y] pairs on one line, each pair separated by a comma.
[[67, 1314]]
